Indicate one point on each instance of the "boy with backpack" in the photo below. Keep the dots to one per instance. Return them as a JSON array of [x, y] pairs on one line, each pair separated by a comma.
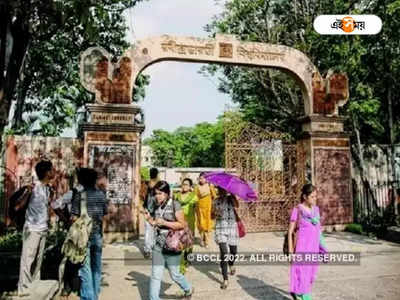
[[90, 272], [35, 227]]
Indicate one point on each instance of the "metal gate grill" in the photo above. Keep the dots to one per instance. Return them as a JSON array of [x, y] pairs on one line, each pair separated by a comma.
[[274, 166]]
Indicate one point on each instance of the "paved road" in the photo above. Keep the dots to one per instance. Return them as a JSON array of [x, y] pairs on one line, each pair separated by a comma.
[[377, 277]]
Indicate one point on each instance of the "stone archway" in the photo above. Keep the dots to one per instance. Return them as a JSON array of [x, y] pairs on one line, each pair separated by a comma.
[[224, 49], [115, 123]]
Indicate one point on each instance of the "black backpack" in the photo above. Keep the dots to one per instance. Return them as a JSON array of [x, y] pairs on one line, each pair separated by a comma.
[[17, 216], [72, 281]]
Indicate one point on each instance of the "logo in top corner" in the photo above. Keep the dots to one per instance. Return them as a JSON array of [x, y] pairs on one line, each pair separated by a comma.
[[348, 24]]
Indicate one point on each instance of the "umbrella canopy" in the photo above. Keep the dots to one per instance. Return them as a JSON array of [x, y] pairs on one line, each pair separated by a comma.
[[232, 184]]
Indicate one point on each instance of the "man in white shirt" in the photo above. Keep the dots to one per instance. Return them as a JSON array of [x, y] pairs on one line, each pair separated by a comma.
[[35, 228]]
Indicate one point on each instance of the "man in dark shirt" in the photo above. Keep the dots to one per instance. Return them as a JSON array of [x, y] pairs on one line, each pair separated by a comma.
[[90, 272]]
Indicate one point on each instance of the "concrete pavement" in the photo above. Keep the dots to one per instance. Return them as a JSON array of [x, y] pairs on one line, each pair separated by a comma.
[[377, 277]]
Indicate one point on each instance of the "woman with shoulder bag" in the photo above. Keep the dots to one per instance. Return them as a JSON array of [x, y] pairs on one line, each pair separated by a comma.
[[168, 216], [308, 236], [187, 198]]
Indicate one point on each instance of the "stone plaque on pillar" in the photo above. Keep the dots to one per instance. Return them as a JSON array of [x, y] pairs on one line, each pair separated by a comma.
[[118, 162]]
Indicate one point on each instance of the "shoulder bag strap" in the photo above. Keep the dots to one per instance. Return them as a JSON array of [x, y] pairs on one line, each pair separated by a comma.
[[166, 205], [234, 210], [84, 204], [173, 208]]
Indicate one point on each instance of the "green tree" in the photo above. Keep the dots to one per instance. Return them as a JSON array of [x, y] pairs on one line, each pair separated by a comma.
[[40, 43], [209, 145], [271, 98], [199, 146]]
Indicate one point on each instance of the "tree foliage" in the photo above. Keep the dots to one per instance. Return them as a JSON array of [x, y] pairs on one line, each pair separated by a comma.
[[271, 98], [39, 57], [199, 146]]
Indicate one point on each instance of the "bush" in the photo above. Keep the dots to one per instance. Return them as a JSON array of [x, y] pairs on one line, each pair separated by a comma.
[[145, 173], [378, 223], [354, 228], [11, 242], [3, 227], [52, 255], [10, 253]]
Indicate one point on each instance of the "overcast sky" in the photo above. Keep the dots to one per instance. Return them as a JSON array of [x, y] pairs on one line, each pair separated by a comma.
[[177, 94]]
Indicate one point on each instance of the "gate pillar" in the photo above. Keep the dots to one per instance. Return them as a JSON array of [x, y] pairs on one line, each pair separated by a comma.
[[327, 148], [328, 165], [112, 142]]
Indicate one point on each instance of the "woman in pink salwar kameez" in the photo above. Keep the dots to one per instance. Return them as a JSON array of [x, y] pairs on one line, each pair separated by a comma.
[[302, 276]]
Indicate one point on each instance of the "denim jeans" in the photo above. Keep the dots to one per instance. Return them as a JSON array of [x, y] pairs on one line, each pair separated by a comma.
[[171, 262], [148, 237], [90, 272]]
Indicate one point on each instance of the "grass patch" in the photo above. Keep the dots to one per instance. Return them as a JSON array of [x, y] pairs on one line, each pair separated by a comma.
[[354, 228]]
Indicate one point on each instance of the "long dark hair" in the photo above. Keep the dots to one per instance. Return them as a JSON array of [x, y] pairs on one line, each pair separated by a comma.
[[306, 191], [225, 195], [221, 192], [163, 186]]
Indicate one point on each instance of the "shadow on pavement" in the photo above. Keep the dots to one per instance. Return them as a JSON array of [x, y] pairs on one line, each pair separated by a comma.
[[209, 271], [142, 282], [258, 289]]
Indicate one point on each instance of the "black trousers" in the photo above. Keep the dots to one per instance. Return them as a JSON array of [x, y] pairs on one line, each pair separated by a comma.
[[224, 251]]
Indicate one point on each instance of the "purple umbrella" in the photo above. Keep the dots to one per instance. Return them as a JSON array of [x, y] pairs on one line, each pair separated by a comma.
[[232, 184]]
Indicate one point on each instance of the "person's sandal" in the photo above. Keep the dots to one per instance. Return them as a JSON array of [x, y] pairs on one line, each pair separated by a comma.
[[224, 285], [188, 295], [294, 296]]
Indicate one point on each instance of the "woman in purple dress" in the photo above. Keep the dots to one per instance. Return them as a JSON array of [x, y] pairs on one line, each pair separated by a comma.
[[302, 276]]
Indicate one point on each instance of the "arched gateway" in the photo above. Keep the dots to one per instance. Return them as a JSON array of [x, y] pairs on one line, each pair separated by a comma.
[[112, 137]]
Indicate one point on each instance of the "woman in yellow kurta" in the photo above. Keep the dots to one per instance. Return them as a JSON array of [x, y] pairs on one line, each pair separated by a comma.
[[206, 194]]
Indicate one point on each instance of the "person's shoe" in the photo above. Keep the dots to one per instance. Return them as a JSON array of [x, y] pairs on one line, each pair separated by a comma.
[[233, 271], [188, 295], [294, 296], [224, 285], [147, 255]]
